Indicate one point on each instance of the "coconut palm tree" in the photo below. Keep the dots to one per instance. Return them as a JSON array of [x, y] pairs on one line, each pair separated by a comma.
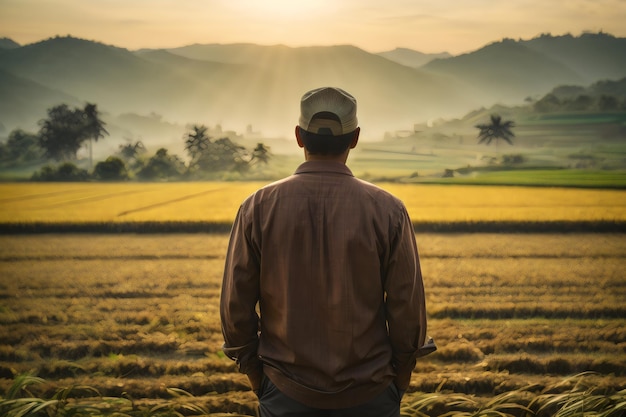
[[261, 154], [497, 129], [94, 127], [197, 142]]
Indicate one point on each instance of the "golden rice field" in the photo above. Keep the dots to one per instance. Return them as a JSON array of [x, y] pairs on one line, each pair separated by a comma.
[[217, 202]]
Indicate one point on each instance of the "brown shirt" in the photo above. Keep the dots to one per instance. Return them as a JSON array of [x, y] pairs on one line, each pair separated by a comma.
[[333, 264]]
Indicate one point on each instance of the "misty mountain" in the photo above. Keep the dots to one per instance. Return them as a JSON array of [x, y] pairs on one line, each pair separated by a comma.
[[594, 56], [412, 58], [112, 77], [6, 43], [511, 70], [21, 98], [387, 92], [507, 71], [178, 63], [245, 84], [263, 89], [237, 53]]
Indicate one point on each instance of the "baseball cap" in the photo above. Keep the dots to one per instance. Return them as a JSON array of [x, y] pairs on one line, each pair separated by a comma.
[[328, 111]]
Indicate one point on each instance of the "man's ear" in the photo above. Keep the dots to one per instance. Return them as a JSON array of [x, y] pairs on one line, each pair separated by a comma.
[[355, 140], [299, 137]]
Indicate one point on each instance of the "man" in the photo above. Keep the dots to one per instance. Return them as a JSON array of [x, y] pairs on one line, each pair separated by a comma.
[[333, 264]]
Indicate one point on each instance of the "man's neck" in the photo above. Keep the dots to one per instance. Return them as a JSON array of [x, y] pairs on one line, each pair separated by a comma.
[[342, 158]]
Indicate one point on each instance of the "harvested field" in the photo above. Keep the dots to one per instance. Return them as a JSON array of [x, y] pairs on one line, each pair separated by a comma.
[[133, 315]]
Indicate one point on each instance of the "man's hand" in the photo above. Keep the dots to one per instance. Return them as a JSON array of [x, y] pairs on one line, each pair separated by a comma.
[[255, 378]]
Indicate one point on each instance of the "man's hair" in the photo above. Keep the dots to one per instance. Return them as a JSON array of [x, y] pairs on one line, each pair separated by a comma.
[[317, 144], [324, 142]]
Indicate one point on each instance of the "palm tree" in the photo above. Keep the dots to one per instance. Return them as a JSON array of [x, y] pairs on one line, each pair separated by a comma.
[[496, 130], [131, 153], [94, 127], [261, 153], [197, 142]]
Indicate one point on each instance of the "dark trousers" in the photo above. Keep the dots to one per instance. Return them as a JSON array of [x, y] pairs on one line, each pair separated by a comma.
[[273, 403]]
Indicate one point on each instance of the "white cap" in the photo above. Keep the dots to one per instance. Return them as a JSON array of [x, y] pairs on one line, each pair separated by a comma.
[[328, 111]]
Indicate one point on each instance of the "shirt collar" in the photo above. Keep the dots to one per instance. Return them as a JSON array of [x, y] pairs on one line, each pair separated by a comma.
[[324, 167]]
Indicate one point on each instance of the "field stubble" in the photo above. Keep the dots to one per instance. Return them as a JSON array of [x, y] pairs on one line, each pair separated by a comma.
[[132, 315]]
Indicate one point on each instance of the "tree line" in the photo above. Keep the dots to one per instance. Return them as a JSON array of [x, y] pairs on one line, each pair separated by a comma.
[[582, 101], [66, 130]]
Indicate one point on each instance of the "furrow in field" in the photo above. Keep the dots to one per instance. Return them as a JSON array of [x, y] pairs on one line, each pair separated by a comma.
[[91, 199], [40, 195], [167, 202]]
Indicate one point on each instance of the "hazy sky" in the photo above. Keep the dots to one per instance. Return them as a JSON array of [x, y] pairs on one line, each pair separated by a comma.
[[374, 25]]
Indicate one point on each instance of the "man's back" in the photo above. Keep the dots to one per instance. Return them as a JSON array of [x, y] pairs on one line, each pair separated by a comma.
[[326, 241]]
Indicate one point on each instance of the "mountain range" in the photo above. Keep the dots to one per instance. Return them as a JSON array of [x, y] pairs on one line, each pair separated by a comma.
[[238, 85]]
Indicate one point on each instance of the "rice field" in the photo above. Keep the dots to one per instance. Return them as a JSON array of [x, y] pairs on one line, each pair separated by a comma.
[[217, 202], [128, 324]]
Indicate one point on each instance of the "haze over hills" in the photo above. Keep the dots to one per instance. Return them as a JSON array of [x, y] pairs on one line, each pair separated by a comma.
[[6, 43], [507, 70], [516, 68], [245, 84], [263, 91], [411, 58], [593, 56], [387, 92], [114, 78], [21, 98]]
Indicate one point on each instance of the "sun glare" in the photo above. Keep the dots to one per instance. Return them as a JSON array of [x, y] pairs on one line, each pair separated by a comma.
[[282, 9]]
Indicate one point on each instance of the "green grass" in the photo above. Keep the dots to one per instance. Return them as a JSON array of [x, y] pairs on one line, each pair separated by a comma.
[[576, 396], [539, 177]]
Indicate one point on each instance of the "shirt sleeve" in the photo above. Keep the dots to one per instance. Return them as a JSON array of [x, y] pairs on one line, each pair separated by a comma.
[[240, 294], [405, 304]]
